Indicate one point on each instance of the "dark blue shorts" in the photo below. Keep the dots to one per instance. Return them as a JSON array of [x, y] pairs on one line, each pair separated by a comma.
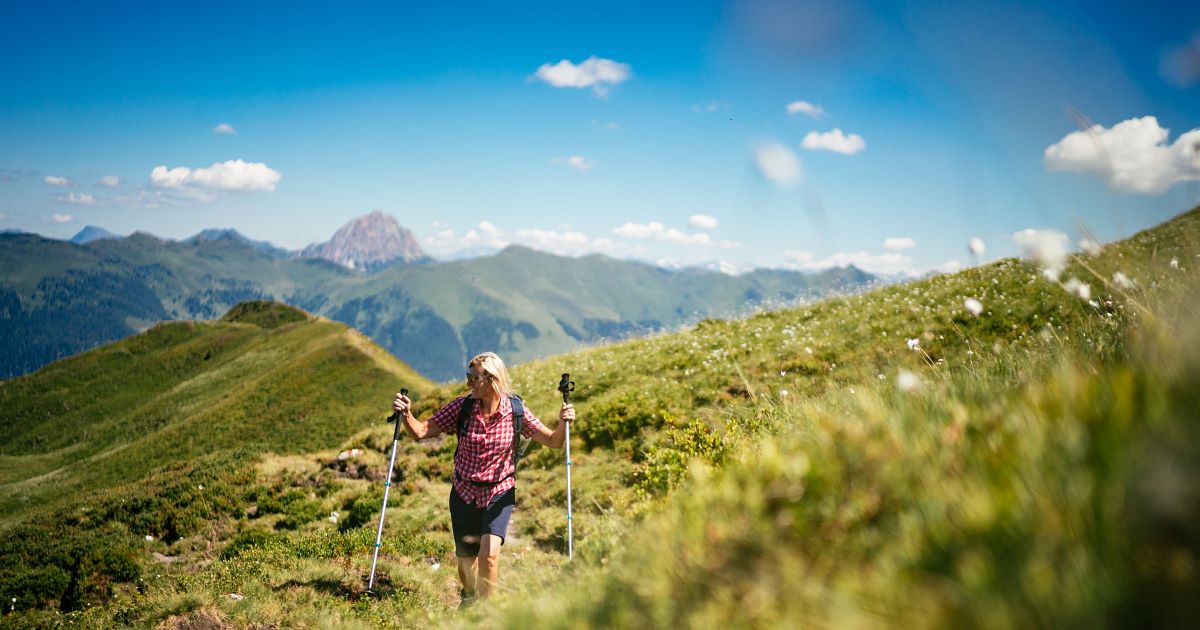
[[468, 520]]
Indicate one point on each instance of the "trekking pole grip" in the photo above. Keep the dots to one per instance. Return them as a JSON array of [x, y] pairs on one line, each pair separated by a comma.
[[566, 386], [395, 417]]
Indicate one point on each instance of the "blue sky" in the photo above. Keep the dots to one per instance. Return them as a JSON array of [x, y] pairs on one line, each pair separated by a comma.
[[480, 124]]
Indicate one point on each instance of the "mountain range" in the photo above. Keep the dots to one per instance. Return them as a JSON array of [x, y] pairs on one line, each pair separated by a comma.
[[58, 298]]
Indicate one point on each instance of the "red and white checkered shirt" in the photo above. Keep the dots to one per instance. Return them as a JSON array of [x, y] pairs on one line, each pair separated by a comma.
[[485, 449]]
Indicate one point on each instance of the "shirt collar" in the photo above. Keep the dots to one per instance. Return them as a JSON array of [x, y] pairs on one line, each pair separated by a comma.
[[504, 409]]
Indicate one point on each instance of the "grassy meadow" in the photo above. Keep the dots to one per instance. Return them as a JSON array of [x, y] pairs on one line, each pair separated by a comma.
[[885, 459]]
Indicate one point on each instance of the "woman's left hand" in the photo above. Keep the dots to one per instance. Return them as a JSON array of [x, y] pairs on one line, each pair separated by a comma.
[[567, 413]]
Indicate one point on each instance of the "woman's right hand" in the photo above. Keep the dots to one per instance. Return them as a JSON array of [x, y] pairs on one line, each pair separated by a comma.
[[400, 404]]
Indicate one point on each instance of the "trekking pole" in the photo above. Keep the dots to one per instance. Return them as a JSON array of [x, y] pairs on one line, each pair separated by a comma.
[[566, 386], [387, 486]]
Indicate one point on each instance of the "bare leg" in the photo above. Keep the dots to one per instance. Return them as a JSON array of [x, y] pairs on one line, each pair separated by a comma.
[[489, 564], [467, 570]]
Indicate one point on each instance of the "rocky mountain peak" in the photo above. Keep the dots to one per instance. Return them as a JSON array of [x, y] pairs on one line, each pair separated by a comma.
[[369, 243]]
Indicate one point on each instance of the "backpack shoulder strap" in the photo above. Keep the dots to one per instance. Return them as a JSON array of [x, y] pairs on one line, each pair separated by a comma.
[[518, 413], [464, 413]]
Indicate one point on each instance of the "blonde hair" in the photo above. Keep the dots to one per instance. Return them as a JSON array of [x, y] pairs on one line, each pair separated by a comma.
[[493, 366]]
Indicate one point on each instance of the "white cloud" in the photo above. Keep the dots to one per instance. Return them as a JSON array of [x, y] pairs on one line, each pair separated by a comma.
[[777, 164], [702, 221], [82, 199], [603, 245], [594, 72], [834, 141], [1132, 157], [639, 230], [565, 242], [659, 232], [897, 243], [61, 218], [577, 162], [112, 181], [887, 264], [804, 107], [950, 266], [224, 129], [228, 175], [485, 236], [56, 180]]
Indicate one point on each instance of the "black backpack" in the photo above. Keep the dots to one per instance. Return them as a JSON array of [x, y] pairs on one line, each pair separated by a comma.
[[520, 443]]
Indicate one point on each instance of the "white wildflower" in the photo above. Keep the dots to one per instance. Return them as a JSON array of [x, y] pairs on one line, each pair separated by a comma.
[[976, 246], [783, 393], [1092, 248], [237, 597], [149, 538], [1122, 281], [913, 344], [333, 517], [200, 487], [907, 381], [1047, 248], [973, 306], [435, 566], [1080, 289], [1174, 263], [881, 377], [807, 350]]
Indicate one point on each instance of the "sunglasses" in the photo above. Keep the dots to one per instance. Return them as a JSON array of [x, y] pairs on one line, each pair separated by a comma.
[[472, 378]]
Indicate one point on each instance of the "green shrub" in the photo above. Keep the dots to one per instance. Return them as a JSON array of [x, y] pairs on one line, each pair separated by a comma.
[[361, 509], [614, 423], [245, 539], [666, 461]]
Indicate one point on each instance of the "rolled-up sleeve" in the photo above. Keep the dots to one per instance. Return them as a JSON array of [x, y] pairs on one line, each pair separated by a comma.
[[446, 418], [532, 425]]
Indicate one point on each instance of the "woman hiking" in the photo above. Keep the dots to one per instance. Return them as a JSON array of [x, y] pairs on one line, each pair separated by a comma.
[[483, 491]]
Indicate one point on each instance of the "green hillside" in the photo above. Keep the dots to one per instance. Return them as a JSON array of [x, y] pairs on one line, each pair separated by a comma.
[[884, 459], [58, 298], [266, 378]]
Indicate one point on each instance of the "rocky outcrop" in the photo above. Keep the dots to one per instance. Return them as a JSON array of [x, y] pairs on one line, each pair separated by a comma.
[[369, 243]]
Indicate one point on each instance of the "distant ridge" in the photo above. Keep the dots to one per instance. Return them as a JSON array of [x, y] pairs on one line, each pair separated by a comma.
[[58, 298], [92, 233], [232, 236], [370, 243]]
